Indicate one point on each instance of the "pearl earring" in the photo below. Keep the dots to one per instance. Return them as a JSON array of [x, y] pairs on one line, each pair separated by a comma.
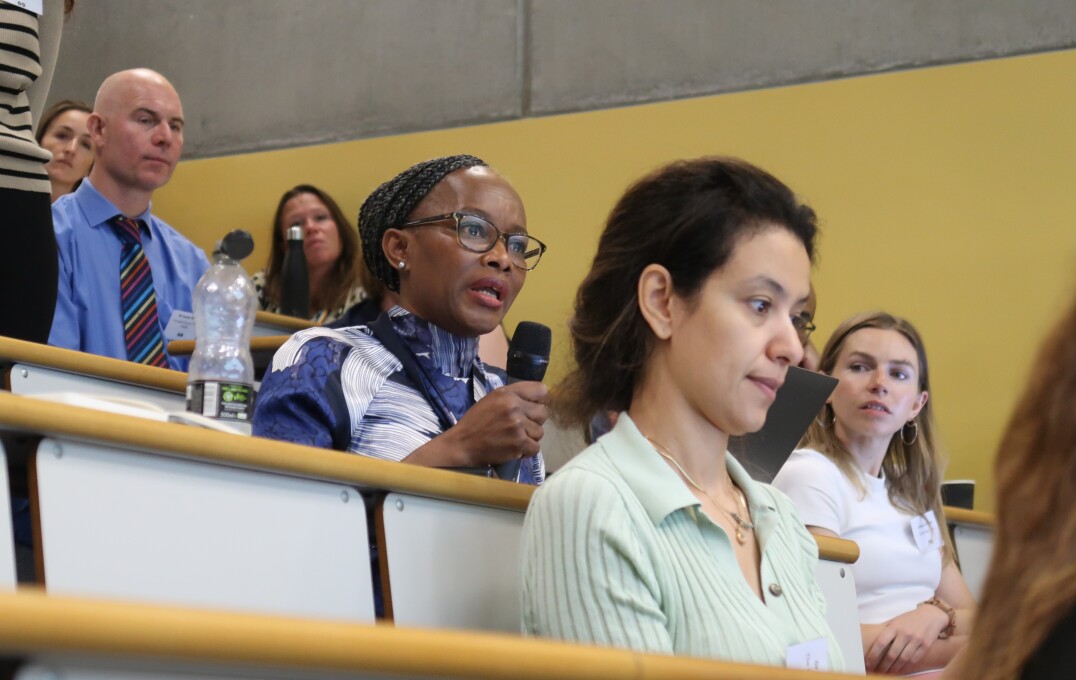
[[402, 264]]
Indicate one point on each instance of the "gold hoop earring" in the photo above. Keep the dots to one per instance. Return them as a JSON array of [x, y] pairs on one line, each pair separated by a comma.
[[915, 432]]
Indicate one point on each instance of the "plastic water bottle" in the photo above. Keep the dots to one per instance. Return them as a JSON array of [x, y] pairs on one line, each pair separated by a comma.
[[221, 374], [294, 277]]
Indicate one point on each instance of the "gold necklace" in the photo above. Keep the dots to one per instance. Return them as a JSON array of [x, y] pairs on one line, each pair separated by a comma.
[[742, 524]]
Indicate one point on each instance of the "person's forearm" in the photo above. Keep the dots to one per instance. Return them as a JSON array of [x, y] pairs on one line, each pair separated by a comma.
[[938, 656], [438, 452]]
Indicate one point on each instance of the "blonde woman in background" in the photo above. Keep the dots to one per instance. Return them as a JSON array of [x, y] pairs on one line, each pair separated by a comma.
[[869, 472]]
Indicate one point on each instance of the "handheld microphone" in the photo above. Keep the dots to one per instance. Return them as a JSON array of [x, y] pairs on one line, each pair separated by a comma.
[[528, 357]]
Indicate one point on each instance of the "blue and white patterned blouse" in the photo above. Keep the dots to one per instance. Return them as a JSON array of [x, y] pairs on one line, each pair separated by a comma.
[[343, 389]]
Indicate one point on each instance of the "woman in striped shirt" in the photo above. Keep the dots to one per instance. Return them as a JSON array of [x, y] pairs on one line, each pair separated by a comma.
[[28, 266]]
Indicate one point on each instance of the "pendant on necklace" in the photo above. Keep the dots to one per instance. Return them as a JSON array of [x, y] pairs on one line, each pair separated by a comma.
[[741, 524]]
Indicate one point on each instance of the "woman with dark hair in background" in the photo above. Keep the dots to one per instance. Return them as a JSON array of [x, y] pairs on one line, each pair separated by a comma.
[[332, 254], [1026, 625], [28, 262], [449, 237], [870, 472], [654, 538], [64, 133]]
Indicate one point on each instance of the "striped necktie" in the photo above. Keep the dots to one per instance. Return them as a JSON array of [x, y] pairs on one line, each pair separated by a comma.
[[138, 301]]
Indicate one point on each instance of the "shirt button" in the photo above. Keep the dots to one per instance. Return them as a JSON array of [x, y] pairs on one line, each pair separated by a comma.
[[775, 590]]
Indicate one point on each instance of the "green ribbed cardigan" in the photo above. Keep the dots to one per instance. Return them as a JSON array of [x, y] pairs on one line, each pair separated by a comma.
[[617, 551]]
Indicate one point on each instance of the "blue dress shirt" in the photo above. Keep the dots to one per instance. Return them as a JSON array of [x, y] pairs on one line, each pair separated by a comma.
[[88, 315]]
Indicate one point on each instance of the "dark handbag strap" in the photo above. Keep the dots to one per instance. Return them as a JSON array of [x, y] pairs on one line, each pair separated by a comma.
[[387, 335], [384, 331]]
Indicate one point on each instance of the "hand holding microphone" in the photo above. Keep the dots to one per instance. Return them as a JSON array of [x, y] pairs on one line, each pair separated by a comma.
[[528, 358], [506, 424]]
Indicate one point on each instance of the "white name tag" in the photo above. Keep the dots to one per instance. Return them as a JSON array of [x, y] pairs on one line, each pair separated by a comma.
[[35, 6], [926, 532], [180, 326], [812, 655]]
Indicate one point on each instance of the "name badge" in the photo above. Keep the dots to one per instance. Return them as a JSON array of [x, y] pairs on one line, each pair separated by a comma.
[[35, 6], [926, 533], [180, 326], [812, 655]]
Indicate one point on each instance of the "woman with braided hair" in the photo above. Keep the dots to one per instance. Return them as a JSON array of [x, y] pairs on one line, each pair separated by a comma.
[[449, 237]]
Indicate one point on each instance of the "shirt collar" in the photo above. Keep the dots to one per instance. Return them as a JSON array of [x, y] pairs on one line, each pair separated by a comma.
[[659, 488], [452, 355], [99, 210]]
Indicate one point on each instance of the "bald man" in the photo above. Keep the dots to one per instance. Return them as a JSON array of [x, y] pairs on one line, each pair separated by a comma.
[[124, 273]]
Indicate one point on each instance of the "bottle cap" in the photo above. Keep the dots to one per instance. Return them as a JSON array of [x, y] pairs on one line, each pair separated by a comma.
[[295, 233], [237, 244]]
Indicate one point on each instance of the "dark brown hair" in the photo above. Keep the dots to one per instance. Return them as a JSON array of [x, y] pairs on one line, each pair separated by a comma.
[[59, 108], [344, 275], [912, 471], [686, 217], [1031, 585]]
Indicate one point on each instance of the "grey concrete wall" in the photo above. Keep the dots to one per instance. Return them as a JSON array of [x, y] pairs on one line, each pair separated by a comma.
[[267, 74]]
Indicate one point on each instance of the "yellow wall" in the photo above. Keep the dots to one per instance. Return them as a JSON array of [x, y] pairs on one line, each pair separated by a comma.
[[946, 195]]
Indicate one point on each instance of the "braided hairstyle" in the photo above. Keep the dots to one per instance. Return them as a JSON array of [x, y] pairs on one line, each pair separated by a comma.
[[390, 204]]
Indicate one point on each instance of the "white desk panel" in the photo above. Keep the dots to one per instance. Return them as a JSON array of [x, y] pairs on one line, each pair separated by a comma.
[[128, 667], [141, 526], [29, 380], [842, 611], [974, 547], [453, 565], [7, 533]]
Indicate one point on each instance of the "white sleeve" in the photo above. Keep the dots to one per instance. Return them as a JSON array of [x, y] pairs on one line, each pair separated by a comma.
[[813, 484]]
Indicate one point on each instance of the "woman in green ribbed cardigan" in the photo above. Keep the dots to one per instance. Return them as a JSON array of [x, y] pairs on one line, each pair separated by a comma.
[[654, 538]]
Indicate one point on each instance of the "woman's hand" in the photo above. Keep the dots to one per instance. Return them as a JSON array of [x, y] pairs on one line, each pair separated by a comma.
[[904, 640], [503, 425]]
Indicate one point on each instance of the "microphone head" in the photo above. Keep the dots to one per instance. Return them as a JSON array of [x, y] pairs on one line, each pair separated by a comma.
[[237, 244], [528, 353]]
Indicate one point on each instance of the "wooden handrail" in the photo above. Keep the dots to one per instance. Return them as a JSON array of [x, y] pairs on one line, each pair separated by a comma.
[[20, 351], [837, 549], [291, 323], [965, 516], [34, 623], [262, 343], [36, 416]]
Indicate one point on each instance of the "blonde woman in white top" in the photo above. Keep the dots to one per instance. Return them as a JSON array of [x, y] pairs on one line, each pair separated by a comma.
[[870, 473]]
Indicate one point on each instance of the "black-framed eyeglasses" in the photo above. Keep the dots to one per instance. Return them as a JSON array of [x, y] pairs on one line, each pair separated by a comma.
[[803, 325], [479, 235]]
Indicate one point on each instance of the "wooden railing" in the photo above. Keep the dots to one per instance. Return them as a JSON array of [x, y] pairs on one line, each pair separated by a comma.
[[18, 351], [33, 625]]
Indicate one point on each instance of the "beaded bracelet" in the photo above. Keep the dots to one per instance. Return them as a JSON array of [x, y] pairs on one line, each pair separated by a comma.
[[949, 611]]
